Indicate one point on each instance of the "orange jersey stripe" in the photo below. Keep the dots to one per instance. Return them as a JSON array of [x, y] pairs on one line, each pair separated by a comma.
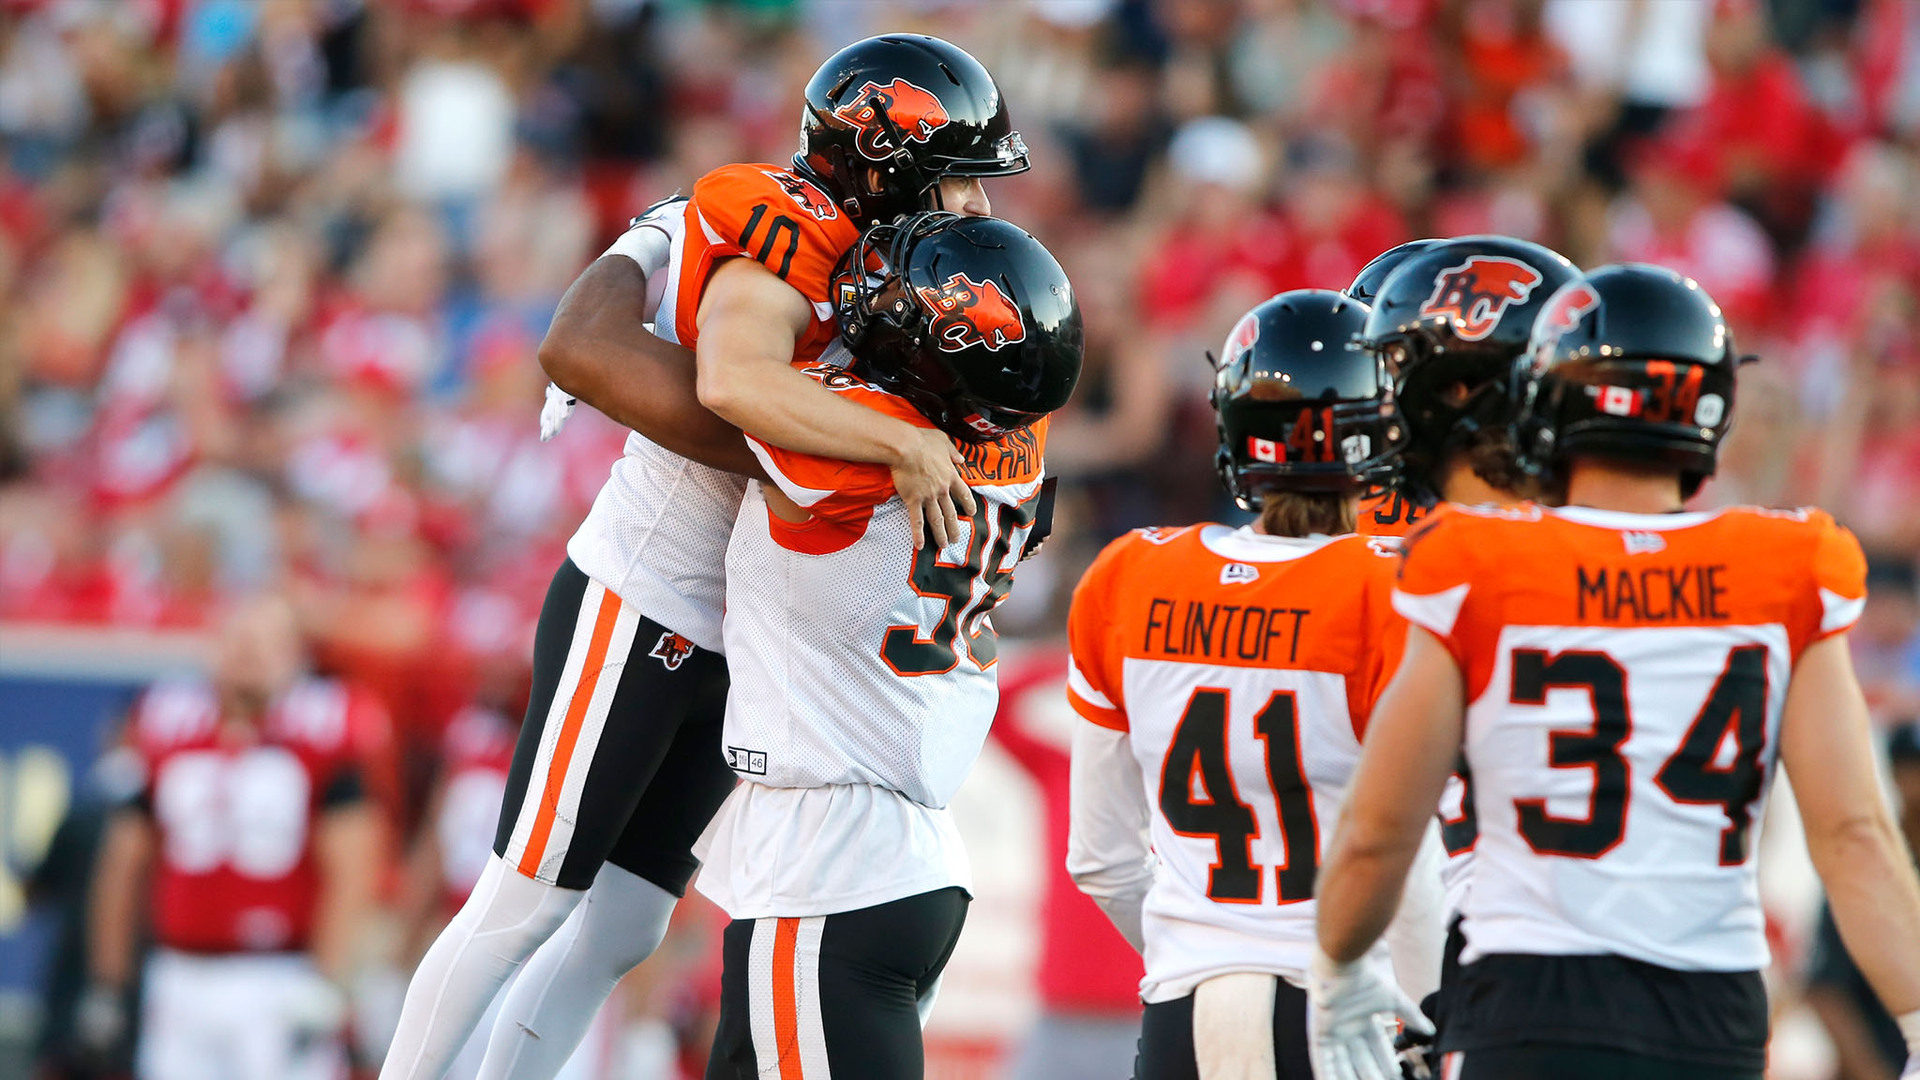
[[786, 992], [570, 732]]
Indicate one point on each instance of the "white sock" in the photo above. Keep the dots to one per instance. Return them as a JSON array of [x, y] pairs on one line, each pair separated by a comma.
[[501, 924], [548, 1010]]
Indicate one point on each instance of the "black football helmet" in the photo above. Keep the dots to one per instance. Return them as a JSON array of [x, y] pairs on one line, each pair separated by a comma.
[[968, 318], [1449, 321], [1632, 362], [1366, 284], [1299, 406], [914, 107]]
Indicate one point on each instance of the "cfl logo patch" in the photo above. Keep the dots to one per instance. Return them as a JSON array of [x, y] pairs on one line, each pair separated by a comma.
[[750, 762], [672, 650]]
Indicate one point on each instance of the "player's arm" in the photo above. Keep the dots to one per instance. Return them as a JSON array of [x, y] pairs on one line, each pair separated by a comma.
[[750, 321], [348, 851], [116, 906], [1109, 856], [1411, 743], [599, 350], [1826, 747]]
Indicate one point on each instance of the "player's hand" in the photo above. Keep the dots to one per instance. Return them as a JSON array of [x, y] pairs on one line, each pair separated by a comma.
[[927, 477], [1355, 1013], [313, 1005], [100, 1019]]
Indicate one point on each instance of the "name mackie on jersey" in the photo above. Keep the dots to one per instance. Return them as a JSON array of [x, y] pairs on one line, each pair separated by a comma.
[[1222, 631], [1653, 593]]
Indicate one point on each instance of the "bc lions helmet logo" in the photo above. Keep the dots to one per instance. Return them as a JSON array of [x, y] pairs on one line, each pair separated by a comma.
[[810, 198], [969, 313], [1245, 333], [1476, 292], [1559, 317], [915, 111], [672, 650]]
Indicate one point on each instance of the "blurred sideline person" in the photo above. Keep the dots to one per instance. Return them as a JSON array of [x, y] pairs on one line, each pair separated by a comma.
[[619, 763], [1087, 975], [1449, 318], [1866, 1040], [253, 851], [864, 673], [1226, 677], [1623, 676]]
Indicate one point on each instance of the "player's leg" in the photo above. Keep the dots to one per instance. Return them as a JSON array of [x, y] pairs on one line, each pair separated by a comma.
[[530, 885], [1560, 1061], [624, 918], [1243, 1025], [837, 995]]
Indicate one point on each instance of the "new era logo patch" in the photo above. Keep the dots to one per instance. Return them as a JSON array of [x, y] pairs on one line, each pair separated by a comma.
[[1238, 573], [751, 762], [1643, 543]]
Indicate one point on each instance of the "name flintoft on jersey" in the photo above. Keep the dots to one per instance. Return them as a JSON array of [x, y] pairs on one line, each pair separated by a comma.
[[1207, 631]]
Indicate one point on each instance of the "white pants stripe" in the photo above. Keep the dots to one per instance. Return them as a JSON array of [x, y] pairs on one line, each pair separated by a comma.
[[783, 999]]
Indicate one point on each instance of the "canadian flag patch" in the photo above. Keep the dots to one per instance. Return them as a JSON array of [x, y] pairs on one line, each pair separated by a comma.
[[1263, 450]]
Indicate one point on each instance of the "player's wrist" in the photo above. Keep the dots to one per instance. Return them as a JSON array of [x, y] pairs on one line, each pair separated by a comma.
[[1325, 969]]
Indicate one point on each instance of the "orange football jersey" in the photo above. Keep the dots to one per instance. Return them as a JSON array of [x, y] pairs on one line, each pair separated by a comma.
[[775, 217], [1388, 514], [1624, 676], [1244, 668]]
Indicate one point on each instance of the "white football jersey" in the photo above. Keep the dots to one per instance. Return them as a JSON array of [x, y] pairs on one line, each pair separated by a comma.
[[1625, 677], [657, 533], [1243, 668], [858, 662]]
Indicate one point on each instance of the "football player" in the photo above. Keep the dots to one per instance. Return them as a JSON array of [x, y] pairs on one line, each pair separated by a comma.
[[1385, 511], [251, 849], [1226, 677], [1622, 676], [864, 667], [1449, 319], [618, 765]]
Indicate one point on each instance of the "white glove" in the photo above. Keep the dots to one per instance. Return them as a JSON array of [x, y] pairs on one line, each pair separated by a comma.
[[313, 1005], [1355, 1013], [1912, 1071], [555, 411], [100, 1018], [1910, 1028]]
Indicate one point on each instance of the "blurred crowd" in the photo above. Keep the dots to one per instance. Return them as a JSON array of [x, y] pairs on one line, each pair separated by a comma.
[[273, 272]]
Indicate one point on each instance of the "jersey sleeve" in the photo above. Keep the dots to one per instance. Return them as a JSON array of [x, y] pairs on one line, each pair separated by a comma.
[[1838, 586], [1433, 578], [839, 496], [1093, 668], [778, 219]]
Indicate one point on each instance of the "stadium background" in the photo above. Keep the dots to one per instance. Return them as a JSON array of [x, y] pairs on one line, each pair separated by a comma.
[[272, 275]]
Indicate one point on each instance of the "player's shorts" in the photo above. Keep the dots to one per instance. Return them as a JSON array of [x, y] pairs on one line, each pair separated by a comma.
[[1166, 1038], [1599, 1005], [237, 1015], [1546, 1061], [1434, 1004], [619, 758], [840, 995]]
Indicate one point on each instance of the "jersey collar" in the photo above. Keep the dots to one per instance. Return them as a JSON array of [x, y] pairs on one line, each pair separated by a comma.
[[1619, 519], [1245, 545]]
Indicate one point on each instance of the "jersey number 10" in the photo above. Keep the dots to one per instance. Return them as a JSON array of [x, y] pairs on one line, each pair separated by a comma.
[[1199, 748]]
